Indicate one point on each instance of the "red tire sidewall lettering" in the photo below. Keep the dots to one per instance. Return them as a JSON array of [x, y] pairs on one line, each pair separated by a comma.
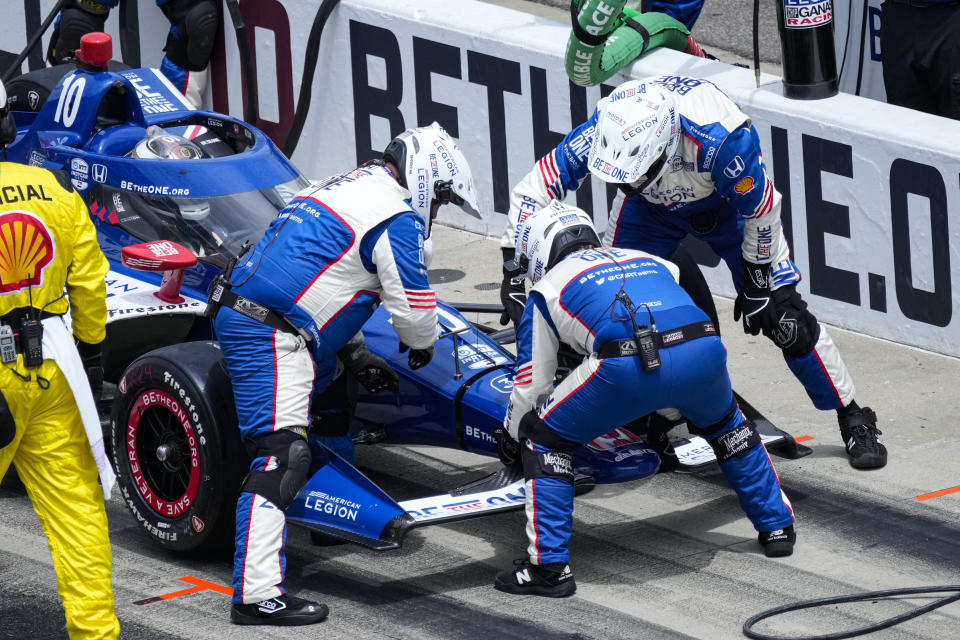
[[159, 399], [189, 509]]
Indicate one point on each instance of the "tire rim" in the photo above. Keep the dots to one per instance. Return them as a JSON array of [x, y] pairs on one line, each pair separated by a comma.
[[163, 453]]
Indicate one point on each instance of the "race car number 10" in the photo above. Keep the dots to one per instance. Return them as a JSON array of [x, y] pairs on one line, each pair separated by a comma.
[[69, 103]]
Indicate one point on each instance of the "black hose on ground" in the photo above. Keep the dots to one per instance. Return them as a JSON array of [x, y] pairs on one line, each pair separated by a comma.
[[309, 68], [858, 597]]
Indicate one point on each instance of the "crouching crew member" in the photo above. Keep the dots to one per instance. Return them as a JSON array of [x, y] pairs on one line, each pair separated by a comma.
[[294, 302], [646, 346], [687, 160]]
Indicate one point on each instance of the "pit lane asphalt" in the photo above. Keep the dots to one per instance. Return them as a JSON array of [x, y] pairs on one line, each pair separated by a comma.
[[669, 557]]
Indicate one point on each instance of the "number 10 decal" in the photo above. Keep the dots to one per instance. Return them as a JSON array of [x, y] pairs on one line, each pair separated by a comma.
[[70, 95]]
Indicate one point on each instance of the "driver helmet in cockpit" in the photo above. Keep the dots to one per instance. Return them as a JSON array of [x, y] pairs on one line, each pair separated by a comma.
[[160, 144]]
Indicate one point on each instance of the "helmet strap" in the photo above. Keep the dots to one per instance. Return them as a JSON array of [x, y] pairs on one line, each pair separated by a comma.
[[389, 167]]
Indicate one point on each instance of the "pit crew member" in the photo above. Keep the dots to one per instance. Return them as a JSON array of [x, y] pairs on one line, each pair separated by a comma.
[[687, 160], [331, 256], [193, 29], [50, 262], [642, 338]]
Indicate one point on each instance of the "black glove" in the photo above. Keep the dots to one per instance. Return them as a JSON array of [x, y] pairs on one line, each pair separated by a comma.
[[755, 300], [513, 296], [92, 357], [368, 368], [508, 449], [418, 357]]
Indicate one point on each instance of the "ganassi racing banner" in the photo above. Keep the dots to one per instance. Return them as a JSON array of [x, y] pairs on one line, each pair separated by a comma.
[[867, 187]]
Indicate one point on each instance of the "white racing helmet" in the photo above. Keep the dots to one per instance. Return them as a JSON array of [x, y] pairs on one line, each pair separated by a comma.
[[548, 235], [638, 130], [161, 144], [432, 168]]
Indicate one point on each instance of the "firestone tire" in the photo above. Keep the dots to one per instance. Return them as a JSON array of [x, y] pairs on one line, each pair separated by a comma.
[[176, 447]]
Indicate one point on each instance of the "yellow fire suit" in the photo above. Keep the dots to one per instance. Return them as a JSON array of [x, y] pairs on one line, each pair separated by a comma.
[[49, 256]]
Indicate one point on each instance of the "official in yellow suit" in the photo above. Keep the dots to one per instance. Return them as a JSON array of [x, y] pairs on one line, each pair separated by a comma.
[[49, 261]]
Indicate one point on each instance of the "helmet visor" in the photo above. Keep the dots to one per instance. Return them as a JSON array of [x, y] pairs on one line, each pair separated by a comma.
[[644, 181]]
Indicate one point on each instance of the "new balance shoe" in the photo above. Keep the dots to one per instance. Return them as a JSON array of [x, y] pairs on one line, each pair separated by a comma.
[[553, 580], [860, 437], [778, 543], [284, 610]]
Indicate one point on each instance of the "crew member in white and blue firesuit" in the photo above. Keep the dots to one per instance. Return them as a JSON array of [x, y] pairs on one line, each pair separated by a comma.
[[645, 346], [687, 160], [193, 30], [292, 304]]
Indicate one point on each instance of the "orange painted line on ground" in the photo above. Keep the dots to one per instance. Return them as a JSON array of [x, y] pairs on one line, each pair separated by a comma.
[[182, 592], [937, 494], [803, 438], [206, 584], [199, 584]]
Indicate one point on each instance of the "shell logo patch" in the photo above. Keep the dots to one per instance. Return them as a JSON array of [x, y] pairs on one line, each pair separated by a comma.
[[744, 186], [26, 248]]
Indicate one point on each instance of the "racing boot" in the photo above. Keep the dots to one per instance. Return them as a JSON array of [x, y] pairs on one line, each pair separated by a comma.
[[778, 543], [554, 580], [284, 610], [858, 428]]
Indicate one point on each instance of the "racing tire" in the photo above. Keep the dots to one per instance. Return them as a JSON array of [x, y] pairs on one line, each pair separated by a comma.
[[176, 447]]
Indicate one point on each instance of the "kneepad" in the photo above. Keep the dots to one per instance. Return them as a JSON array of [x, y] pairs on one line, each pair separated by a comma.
[[798, 330], [288, 462], [736, 442], [532, 427], [547, 464], [193, 32], [76, 20]]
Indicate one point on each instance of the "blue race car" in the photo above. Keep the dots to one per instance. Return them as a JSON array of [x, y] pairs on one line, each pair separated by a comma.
[[168, 227]]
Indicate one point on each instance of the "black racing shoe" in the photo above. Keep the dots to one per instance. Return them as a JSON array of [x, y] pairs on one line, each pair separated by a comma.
[[284, 610], [778, 543], [859, 432], [554, 580]]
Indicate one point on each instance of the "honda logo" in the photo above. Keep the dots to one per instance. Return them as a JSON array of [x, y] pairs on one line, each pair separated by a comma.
[[99, 172], [735, 168]]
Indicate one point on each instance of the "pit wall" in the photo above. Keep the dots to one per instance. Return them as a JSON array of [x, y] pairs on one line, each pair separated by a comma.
[[867, 186]]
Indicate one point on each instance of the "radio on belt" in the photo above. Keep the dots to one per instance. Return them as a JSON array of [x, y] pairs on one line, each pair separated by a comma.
[[649, 355], [644, 335], [8, 348], [31, 342]]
